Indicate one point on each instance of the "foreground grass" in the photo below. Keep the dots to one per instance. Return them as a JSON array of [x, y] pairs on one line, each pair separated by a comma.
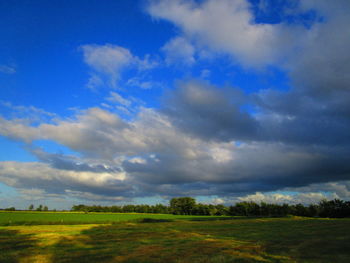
[[181, 241]]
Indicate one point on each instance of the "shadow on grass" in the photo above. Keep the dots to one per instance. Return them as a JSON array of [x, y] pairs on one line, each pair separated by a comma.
[[108, 243], [213, 218], [153, 220], [138, 242], [14, 246]]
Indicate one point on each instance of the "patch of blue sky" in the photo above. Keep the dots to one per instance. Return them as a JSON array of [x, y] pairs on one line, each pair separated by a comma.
[[224, 72], [277, 11], [251, 81], [210, 199], [295, 193], [14, 151], [249, 108], [7, 191], [149, 200], [238, 143], [42, 40], [55, 148]]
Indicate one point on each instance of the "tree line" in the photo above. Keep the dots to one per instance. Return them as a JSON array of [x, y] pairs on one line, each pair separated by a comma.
[[188, 206], [152, 209], [30, 208]]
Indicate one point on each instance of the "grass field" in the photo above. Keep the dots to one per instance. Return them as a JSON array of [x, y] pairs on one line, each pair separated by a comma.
[[182, 240], [34, 218]]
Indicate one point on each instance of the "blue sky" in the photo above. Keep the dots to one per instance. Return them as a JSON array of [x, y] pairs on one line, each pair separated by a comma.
[[140, 101]]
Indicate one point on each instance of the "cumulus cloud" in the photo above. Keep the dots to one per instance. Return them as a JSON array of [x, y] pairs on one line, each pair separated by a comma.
[[282, 198], [56, 181], [109, 61], [18, 130], [229, 27], [179, 51]]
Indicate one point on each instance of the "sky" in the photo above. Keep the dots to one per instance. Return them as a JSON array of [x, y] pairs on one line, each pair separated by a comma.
[[129, 102]]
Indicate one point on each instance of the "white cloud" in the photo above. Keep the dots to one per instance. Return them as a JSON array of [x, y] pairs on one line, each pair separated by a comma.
[[110, 61], [18, 130], [47, 180], [228, 26], [35, 194], [143, 84], [281, 198], [94, 82], [179, 51], [30, 113], [339, 189], [14, 172], [218, 201], [115, 97]]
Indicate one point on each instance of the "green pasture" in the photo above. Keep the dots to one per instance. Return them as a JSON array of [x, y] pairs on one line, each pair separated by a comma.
[[189, 239], [30, 218]]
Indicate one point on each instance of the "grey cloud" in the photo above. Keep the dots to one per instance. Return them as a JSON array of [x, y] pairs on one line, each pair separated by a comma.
[[42, 176], [340, 188], [317, 109], [72, 163], [157, 157], [253, 168], [209, 112]]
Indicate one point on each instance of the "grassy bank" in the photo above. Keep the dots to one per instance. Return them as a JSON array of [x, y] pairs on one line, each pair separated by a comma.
[[237, 240]]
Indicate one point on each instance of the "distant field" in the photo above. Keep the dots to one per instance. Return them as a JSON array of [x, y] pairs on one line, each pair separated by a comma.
[[29, 218], [180, 241]]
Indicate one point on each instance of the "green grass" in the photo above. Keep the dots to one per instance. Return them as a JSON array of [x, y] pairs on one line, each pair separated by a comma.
[[30, 218], [181, 241]]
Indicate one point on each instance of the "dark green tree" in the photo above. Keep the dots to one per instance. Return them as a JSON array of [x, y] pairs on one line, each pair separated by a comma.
[[182, 205], [40, 208]]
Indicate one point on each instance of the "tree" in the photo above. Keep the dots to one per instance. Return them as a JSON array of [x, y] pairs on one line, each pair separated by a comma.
[[334, 208], [201, 209], [31, 207], [182, 205], [221, 210], [40, 208], [46, 208]]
